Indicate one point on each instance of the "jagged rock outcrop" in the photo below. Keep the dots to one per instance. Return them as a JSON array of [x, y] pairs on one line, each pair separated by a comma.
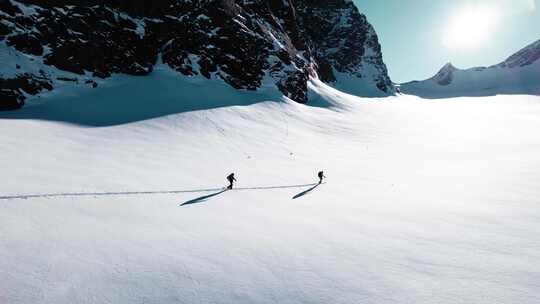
[[241, 42], [344, 42], [445, 75], [12, 90]]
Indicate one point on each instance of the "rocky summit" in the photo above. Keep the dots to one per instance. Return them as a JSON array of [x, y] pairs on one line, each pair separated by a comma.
[[241, 42]]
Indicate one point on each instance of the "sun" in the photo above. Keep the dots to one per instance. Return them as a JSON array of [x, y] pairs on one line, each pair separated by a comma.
[[471, 27]]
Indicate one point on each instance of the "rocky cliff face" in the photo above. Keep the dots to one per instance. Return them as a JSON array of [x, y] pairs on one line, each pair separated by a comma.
[[241, 42]]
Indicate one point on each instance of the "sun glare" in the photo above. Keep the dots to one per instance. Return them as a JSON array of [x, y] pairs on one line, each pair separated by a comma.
[[471, 27]]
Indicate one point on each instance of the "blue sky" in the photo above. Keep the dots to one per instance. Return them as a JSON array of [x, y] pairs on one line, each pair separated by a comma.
[[419, 36]]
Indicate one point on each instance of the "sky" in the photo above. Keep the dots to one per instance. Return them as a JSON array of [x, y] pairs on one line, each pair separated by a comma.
[[419, 36]]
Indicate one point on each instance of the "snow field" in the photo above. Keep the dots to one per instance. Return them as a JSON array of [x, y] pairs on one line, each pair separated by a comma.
[[425, 202]]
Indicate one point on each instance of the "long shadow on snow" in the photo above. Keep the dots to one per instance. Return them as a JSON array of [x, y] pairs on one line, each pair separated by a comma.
[[123, 99], [203, 198], [305, 192]]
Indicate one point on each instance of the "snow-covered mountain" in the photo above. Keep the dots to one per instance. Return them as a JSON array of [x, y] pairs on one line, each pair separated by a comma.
[[519, 74], [247, 44]]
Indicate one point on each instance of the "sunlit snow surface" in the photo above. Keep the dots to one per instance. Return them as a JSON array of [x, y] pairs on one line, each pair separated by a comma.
[[426, 201]]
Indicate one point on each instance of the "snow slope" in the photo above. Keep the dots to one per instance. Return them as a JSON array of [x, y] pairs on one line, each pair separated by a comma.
[[519, 74], [123, 98], [425, 202]]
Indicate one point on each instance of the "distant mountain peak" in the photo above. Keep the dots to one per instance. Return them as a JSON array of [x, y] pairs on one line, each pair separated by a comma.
[[445, 74], [449, 66], [519, 74]]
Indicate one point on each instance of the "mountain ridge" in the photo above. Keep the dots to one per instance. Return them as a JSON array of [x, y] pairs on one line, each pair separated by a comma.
[[243, 43], [518, 74]]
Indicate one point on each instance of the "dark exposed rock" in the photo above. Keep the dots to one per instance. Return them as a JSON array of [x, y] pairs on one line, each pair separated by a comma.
[[8, 8], [4, 30], [325, 71], [103, 42], [295, 86], [238, 41], [28, 83], [11, 90], [26, 43], [67, 79], [91, 82], [343, 40], [101, 74], [10, 100]]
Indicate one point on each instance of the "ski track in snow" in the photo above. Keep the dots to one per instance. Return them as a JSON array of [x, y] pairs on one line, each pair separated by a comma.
[[67, 194], [426, 201]]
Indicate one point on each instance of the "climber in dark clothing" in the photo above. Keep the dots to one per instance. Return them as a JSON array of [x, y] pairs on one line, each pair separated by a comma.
[[231, 180], [321, 176]]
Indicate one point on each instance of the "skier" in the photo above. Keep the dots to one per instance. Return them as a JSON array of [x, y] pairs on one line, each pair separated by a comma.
[[231, 179], [321, 176]]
